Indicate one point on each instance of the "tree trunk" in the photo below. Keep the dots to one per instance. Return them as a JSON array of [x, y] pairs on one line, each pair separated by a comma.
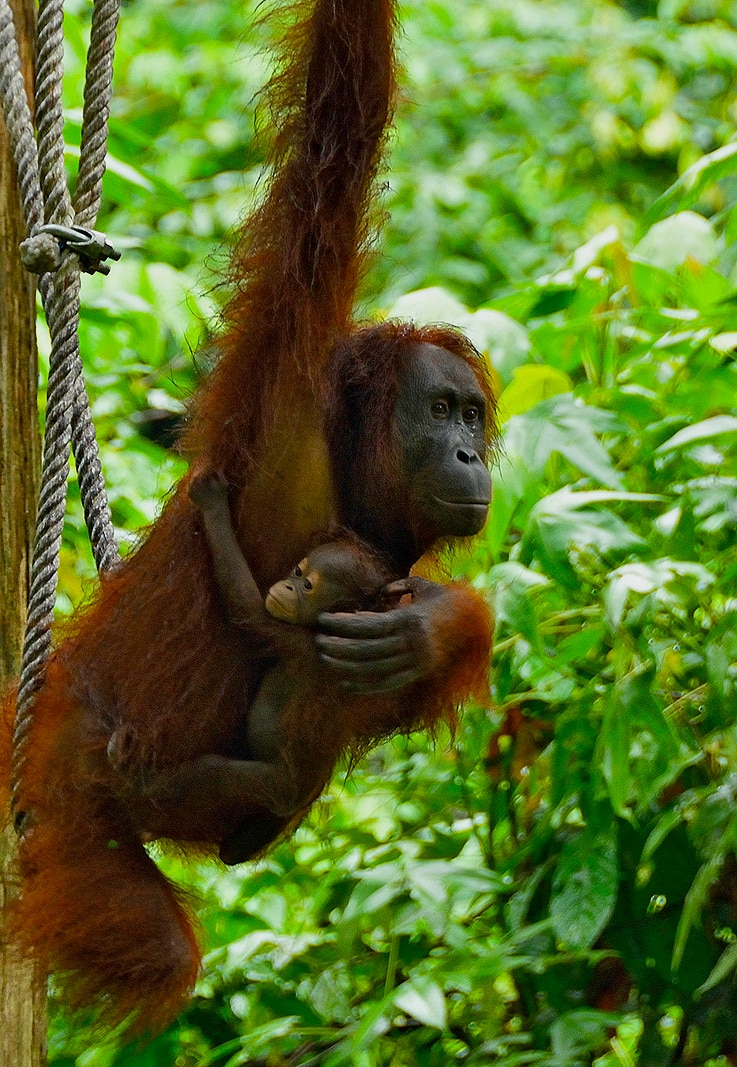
[[22, 992]]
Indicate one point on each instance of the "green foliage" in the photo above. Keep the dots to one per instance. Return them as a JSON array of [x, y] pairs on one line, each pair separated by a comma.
[[532, 126], [557, 886]]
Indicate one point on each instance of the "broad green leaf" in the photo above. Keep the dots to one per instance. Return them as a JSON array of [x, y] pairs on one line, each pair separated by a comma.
[[690, 185], [541, 679], [720, 656], [513, 575], [651, 282], [466, 973], [565, 426], [424, 1000], [586, 255], [724, 342], [530, 385], [501, 338], [122, 172], [668, 244], [552, 299], [649, 578], [261, 1039], [639, 750], [582, 497], [576, 1034], [372, 895], [511, 585], [714, 502], [580, 645], [514, 485], [519, 903], [700, 431], [562, 521], [585, 887], [330, 995]]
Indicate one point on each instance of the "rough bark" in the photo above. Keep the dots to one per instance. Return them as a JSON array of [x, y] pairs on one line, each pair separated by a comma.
[[22, 992]]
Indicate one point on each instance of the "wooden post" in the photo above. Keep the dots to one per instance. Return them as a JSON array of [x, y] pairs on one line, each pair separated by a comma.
[[22, 991]]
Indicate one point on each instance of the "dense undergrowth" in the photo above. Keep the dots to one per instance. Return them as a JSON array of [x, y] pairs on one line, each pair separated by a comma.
[[556, 887]]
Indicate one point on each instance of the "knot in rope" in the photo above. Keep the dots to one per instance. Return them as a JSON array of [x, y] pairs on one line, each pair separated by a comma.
[[42, 251]]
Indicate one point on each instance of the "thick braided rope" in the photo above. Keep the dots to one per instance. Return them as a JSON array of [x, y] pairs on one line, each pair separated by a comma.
[[51, 507], [89, 187], [50, 123], [97, 92], [49, 112], [67, 414], [18, 120], [61, 307]]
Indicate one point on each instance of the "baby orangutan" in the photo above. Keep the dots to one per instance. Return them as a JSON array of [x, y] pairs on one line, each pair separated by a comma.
[[341, 575], [291, 737]]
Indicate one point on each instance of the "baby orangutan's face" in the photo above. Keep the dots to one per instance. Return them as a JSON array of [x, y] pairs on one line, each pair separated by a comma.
[[318, 583]]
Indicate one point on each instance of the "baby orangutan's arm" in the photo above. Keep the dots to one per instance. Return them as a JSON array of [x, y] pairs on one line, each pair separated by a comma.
[[238, 590]]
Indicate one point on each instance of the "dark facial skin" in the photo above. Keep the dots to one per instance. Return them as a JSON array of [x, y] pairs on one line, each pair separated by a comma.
[[441, 425], [320, 582]]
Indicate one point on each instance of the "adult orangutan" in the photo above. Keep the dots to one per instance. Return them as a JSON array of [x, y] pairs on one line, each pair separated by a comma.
[[311, 421]]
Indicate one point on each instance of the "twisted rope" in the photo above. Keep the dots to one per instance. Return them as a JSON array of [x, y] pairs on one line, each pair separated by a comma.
[[18, 120], [97, 92], [93, 149], [46, 201]]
